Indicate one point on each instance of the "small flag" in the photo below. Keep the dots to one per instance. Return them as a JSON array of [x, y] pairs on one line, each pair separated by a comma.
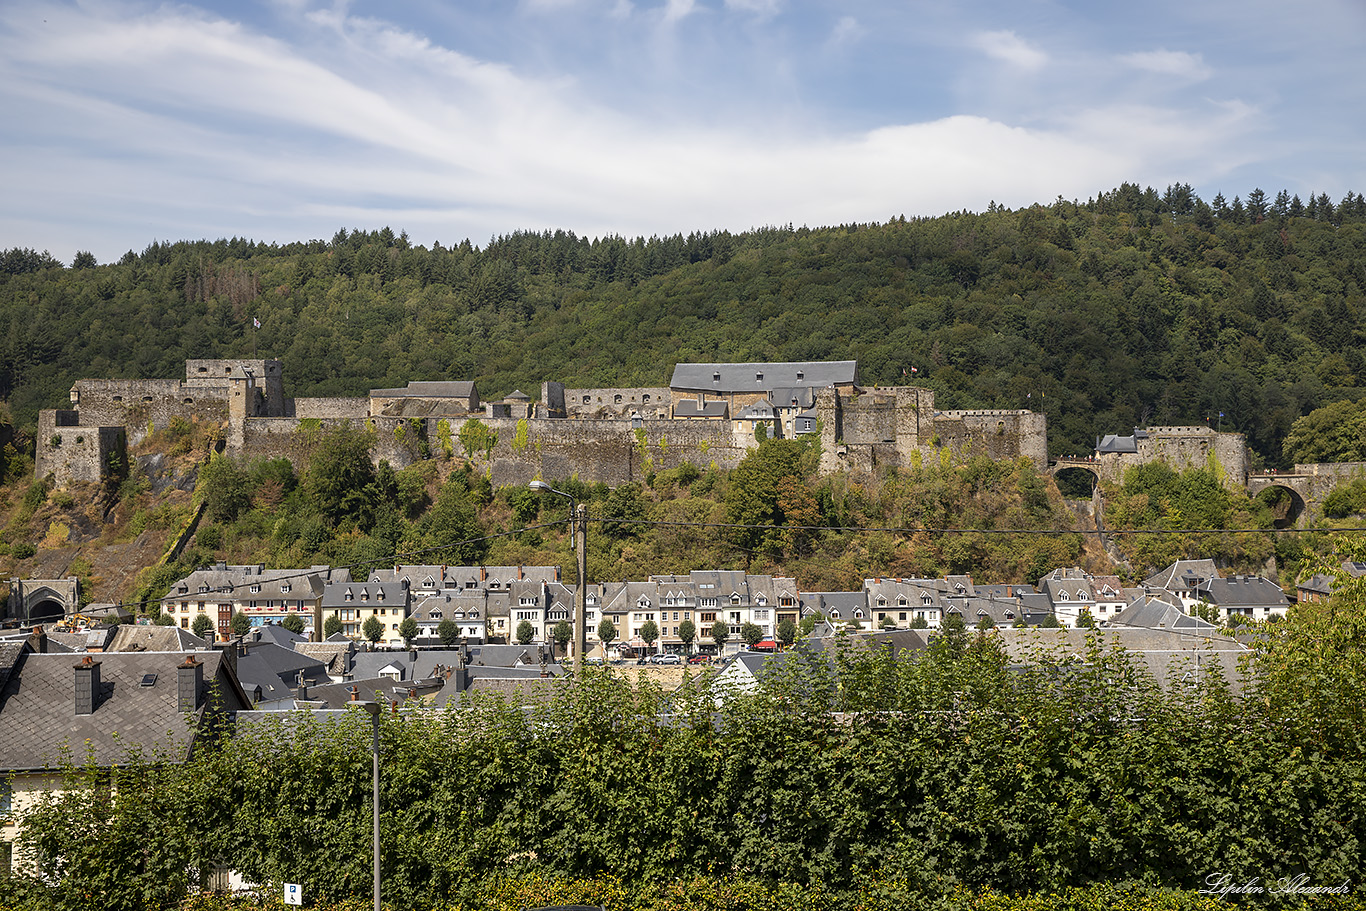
[[903, 371], [1029, 395], [913, 370], [256, 323], [1221, 414]]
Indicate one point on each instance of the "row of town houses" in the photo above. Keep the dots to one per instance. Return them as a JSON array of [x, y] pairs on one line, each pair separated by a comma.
[[490, 603]]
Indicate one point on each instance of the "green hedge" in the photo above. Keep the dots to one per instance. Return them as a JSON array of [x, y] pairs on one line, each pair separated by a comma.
[[864, 782]]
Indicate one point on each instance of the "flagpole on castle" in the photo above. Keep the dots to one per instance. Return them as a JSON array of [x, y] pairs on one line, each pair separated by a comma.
[[255, 324]]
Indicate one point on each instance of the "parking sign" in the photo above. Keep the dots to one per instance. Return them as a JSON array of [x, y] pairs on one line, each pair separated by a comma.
[[294, 894]]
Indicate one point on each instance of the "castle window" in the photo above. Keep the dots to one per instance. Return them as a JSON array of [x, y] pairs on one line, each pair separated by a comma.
[[146, 398], [645, 399], [716, 377], [118, 398], [203, 369], [616, 400], [187, 401], [800, 375], [758, 377], [587, 399]]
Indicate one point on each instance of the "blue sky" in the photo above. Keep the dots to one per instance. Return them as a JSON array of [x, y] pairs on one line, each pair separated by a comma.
[[127, 121]]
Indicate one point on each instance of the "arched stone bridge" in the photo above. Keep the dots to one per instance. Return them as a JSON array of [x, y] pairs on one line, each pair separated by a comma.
[[1301, 490], [1306, 485]]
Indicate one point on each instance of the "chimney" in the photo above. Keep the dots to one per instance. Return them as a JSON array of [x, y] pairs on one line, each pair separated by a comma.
[[355, 692], [189, 683], [87, 685], [300, 686], [520, 575], [38, 641]]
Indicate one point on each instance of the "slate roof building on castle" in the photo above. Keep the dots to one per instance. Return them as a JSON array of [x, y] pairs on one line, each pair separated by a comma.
[[421, 398], [755, 377]]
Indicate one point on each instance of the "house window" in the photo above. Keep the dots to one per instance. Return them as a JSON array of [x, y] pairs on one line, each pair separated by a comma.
[[379, 595], [1063, 596], [285, 587], [801, 375], [256, 589], [901, 616], [348, 595]]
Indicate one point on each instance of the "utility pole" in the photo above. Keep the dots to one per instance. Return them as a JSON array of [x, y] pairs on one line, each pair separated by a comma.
[[581, 596]]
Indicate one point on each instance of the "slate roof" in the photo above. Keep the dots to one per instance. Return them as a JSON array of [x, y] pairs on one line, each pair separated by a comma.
[[38, 719], [1152, 613], [335, 654], [758, 411], [274, 667], [429, 389], [1171, 657], [1113, 442], [782, 397], [1245, 591], [742, 377], [154, 639], [689, 408], [340, 595], [221, 579], [10, 650], [1179, 576]]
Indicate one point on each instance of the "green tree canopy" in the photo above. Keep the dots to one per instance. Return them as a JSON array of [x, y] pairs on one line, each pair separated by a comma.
[[339, 474], [720, 632], [294, 623], [607, 632], [332, 625], [649, 632], [203, 627], [239, 624], [758, 485], [687, 631], [408, 630], [751, 633], [787, 632], [448, 631], [373, 628], [525, 632], [1333, 433]]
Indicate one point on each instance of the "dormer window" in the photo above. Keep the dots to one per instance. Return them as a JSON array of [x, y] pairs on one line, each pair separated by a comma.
[[203, 589], [801, 375], [1064, 596], [285, 587], [256, 589], [925, 598], [364, 594], [1081, 595], [716, 377], [858, 613], [758, 377], [379, 595], [349, 595], [435, 615]]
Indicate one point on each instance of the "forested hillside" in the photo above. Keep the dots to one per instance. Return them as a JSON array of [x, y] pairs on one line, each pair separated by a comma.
[[1135, 307]]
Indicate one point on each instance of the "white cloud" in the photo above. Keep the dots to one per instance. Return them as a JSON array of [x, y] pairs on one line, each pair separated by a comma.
[[758, 7], [1009, 47], [677, 10], [846, 31], [1169, 63]]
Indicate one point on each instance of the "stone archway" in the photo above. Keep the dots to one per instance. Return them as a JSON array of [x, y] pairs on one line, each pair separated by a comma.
[[45, 612], [1076, 480], [1285, 503]]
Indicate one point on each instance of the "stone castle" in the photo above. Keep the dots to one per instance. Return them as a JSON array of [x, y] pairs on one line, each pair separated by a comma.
[[710, 414]]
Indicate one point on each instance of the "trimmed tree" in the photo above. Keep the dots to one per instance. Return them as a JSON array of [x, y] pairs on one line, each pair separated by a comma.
[[687, 631], [448, 631], [720, 632], [607, 631], [787, 632], [373, 629], [408, 630], [203, 627], [649, 632], [525, 632], [239, 624], [562, 635], [332, 625], [294, 623], [751, 633]]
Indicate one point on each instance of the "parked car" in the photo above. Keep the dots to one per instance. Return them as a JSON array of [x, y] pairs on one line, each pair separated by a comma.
[[668, 659], [700, 659]]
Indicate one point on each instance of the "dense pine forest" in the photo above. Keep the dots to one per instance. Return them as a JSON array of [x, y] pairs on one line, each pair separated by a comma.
[[1135, 307]]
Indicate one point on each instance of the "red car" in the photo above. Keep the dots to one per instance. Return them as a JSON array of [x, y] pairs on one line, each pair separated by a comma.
[[700, 659]]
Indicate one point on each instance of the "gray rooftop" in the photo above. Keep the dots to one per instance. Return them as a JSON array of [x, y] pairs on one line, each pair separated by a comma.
[[429, 389], [761, 377], [39, 726]]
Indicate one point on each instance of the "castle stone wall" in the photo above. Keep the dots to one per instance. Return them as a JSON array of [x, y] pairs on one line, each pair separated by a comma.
[[650, 402], [1182, 448], [330, 409], [265, 375], [70, 452], [136, 404], [610, 452]]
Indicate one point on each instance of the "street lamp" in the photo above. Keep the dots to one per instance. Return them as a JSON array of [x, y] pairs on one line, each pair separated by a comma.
[[374, 710], [578, 516]]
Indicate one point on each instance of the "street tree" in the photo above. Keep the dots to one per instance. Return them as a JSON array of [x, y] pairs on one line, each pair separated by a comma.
[[448, 631], [373, 629], [720, 632], [203, 627], [408, 630], [294, 623], [525, 632]]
